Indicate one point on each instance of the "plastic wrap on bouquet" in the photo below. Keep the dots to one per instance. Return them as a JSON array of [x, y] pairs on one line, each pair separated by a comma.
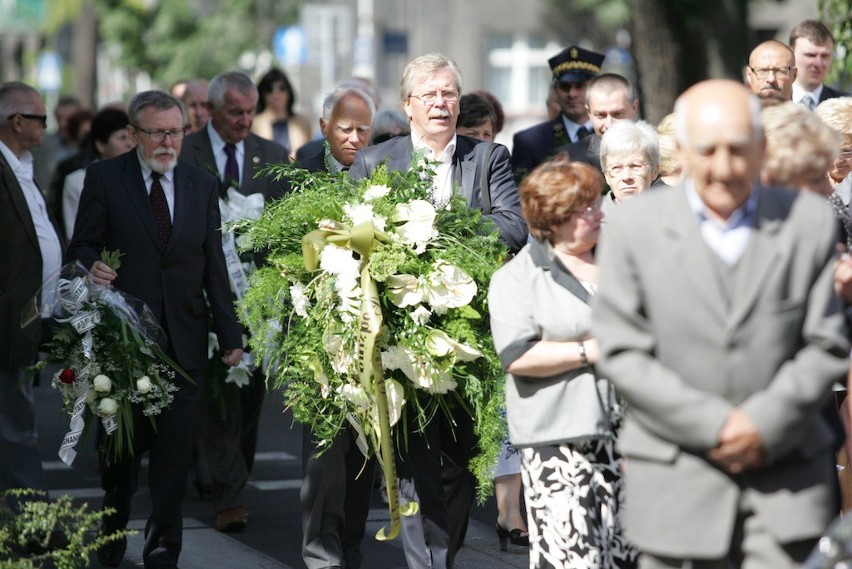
[[109, 346]]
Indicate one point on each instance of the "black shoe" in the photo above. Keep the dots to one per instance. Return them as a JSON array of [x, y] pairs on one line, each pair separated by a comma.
[[516, 536], [110, 554]]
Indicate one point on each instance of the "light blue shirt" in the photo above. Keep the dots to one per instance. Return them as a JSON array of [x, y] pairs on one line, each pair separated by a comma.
[[728, 239]]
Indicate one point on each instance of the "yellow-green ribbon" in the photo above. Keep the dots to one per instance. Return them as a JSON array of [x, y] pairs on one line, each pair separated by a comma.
[[362, 239]]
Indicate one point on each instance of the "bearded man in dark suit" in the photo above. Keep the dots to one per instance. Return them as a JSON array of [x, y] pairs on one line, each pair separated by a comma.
[[226, 439], [164, 219]]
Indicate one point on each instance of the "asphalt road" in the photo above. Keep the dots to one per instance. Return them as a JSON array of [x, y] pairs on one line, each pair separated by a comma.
[[273, 537]]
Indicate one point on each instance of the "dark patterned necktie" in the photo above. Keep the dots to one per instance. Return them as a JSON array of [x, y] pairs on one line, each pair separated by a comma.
[[582, 132], [232, 170], [160, 207]]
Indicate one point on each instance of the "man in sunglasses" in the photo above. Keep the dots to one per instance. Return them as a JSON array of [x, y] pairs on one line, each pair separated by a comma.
[[31, 252], [572, 68]]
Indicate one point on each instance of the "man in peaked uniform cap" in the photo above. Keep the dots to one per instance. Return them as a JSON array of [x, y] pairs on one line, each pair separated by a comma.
[[573, 68]]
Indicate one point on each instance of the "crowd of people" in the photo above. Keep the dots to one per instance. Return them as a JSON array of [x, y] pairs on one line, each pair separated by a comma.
[[672, 319]]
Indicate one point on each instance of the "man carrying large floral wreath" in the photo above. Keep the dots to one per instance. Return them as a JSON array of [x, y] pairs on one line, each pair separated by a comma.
[[430, 90]]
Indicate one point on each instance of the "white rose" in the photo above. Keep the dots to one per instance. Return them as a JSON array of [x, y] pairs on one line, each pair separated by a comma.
[[102, 383], [107, 407], [143, 384]]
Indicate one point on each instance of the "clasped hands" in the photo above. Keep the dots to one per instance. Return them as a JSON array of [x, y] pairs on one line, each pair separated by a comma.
[[103, 274], [740, 445]]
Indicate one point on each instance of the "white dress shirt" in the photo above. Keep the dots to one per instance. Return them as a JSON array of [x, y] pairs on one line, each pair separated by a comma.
[[443, 186], [729, 238], [167, 181], [218, 145], [48, 241]]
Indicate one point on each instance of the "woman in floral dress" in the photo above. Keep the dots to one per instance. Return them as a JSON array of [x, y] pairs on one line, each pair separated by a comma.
[[561, 415]]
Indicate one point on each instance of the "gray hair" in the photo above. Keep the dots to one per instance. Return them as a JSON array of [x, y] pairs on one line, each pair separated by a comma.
[[389, 123], [680, 111], [224, 82], [16, 97], [333, 98], [609, 83], [429, 63], [160, 100], [626, 137]]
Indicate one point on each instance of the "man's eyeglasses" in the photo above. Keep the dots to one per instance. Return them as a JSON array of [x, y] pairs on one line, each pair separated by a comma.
[[589, 212], [40, 118], [160, 135], [635, 169], [430, 98], [763, 72]]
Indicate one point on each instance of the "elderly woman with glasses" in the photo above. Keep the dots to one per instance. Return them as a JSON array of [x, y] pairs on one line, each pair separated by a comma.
[[630, 159], [562, 416]]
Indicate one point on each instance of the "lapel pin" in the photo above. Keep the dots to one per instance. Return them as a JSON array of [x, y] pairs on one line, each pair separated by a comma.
[[256, 160]]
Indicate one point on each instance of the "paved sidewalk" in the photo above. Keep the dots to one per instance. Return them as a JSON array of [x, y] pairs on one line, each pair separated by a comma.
[[205, 548]]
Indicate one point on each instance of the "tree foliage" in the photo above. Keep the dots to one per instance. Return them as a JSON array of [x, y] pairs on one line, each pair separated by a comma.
[[180, 39], [837, 14]]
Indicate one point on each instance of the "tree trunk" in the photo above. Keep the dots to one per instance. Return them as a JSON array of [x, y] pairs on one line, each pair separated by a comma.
[[84, 53], [658, 52]]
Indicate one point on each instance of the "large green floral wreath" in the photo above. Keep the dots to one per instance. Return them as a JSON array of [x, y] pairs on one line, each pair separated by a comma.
[[372, 307]]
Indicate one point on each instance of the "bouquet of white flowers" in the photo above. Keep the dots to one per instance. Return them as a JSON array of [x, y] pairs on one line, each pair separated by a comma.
[[373, 308], [107, 345]]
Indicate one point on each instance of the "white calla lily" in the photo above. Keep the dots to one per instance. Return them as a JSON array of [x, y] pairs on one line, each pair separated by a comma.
[[396, 400], [439, 344], [404, 290], [450, 287], [355, 394]]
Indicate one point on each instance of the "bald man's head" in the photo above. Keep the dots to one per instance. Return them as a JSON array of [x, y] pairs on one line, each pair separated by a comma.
[[771, 72], [721, 142]]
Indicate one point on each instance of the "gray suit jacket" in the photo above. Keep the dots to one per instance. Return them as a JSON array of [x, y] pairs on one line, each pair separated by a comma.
[[259, 152], [683, 355], [467, 172]]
